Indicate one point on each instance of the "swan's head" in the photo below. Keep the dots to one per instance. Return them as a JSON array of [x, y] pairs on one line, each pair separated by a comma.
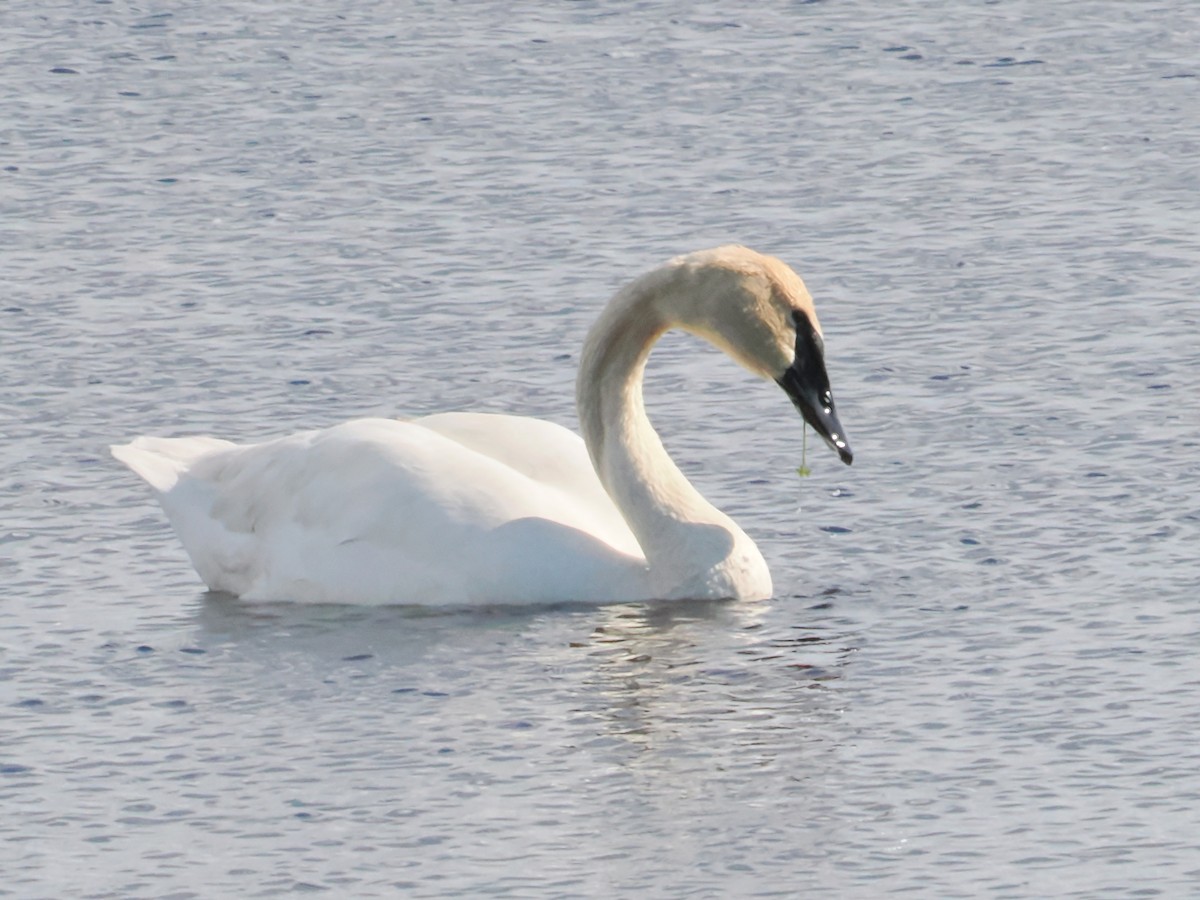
[[756, 309]]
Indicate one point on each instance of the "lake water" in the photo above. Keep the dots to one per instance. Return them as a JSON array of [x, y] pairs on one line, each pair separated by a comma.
[[980, 675]]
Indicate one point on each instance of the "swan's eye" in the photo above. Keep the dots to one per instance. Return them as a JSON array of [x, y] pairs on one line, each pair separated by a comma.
[[806, 335]]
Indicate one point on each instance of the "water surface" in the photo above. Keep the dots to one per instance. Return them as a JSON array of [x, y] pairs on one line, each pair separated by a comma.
[[979, 674]]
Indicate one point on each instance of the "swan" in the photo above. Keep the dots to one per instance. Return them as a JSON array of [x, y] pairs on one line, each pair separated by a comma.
[[477, 508]]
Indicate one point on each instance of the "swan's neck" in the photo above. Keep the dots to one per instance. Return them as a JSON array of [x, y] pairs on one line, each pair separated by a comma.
[[691, 547]]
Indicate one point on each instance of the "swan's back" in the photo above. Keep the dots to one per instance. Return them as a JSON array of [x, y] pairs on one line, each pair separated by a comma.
[[456, 508]]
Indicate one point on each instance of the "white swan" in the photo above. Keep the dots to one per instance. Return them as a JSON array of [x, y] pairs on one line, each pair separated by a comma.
[[466, 508]]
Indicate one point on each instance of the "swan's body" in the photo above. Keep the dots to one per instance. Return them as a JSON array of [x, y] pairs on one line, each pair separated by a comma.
[[458, 508], [463, 508]]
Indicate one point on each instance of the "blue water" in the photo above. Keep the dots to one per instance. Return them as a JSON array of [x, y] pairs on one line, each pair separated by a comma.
[[980, 674]]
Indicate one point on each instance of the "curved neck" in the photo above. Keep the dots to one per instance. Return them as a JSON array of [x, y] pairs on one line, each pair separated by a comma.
[[692, 548]]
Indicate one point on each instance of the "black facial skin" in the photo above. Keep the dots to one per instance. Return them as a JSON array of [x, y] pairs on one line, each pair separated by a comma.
[[807, 383]]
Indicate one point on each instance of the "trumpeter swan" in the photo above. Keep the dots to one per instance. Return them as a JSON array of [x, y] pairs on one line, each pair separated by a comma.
[[469, 508]]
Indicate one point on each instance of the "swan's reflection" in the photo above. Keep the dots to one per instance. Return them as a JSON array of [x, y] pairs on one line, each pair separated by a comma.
[[649, 679], [280, 634], [674, 677]]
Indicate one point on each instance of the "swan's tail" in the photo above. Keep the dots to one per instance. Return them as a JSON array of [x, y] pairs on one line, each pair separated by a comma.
[[160, 461]]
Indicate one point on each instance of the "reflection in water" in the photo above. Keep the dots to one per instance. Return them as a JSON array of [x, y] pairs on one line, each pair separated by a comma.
[[669, 676], [659, 679], [279, 634]]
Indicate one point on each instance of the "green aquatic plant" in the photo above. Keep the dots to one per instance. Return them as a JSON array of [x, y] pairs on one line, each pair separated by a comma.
[[804, 471]]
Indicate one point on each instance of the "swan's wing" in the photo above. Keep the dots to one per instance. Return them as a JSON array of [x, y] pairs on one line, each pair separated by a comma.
[[542, 451], [548, 454], [377, 510]]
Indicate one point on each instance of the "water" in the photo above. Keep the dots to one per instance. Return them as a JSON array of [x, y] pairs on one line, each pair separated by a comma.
[[979, 676]]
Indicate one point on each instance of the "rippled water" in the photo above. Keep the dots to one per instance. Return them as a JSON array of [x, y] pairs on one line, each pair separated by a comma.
[[980, 675]]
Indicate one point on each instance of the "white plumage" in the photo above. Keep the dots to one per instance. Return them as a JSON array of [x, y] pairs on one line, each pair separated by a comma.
[[466, 508]]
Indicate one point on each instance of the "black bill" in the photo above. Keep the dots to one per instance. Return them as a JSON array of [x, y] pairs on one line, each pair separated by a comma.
[[807, 383]]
